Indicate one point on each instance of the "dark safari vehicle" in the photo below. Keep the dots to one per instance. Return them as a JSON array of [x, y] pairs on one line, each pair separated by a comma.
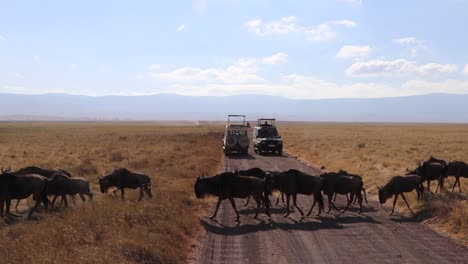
[[235, 135], [266, 137]]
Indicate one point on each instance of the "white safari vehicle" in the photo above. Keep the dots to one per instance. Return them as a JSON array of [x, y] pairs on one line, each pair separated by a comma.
[[235, 135], [266, 137]]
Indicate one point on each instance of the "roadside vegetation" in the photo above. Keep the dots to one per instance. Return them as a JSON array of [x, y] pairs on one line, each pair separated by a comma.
[[105, 229], [380, 151]]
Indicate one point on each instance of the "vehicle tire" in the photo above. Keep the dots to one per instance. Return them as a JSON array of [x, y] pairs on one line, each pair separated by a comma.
[[244, 142], [231, 141], [280, 152]]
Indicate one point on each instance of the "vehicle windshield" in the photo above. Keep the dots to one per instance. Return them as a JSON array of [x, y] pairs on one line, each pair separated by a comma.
[[268, 132]]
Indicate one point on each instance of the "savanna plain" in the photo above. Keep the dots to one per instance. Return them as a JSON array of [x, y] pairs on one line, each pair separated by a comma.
[[161, 230]]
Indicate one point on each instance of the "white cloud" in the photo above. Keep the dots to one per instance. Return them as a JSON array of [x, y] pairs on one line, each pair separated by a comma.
[[413, 44], [397, 68], [36, 58], [345, 22], [199, 5], [243, 70], [286, 25], [465, 69], [415, 87], [353, 52], [180, 28], [278, 58], [354, 2]]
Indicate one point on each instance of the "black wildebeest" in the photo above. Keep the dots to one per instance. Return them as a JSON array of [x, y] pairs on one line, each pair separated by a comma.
[[342, 184], [343, 172], [429, 171], [21, 187], [399, 185], [252, 172], [294, 182], [123, 178], [62, 185], [228, 185], [457, 169], [39, 171]]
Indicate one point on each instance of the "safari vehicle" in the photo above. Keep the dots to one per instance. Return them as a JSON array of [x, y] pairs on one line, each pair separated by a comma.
[[235, 135], [266, 137]]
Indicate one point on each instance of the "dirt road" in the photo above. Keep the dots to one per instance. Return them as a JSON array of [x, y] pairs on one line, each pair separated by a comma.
[[371, 237]]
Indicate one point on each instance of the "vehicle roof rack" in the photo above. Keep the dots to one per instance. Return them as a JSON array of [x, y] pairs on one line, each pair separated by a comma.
[[266, 121], [236, 122]]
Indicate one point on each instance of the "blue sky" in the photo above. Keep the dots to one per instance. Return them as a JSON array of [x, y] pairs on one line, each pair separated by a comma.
[[297, 49]]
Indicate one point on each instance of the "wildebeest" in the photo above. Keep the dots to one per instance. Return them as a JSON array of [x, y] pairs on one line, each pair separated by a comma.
[[294, 182], [399, 185], [252, 172], [342, 184], [20, 187], [48, 173], [228, 185], [123, 178], [62, 185], [429, 171], [343, 172], [457, 169]]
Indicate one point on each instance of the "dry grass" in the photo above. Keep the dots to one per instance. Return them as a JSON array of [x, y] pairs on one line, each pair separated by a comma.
[[106, 229], [380, 151]]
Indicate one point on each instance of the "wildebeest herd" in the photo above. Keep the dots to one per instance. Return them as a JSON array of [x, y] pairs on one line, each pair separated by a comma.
[[41, 183], [260, 184]]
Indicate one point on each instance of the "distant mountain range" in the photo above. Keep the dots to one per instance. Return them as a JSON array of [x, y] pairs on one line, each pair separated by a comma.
[[56, 107]]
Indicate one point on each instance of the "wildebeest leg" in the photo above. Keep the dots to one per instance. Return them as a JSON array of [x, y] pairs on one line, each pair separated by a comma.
[[295, 205], [114, 192], [334, 197], [17, 203], [64, 198], [82, 197], [429, 185], [248, 199], [234, 207], [359, 198], [73, 199], [259, 202], [141, 194], [404, 199], [122, 194], [38, 201], [53, 200], [394, 202], [147, 190], [287, 204], [454, 184], [313, 204], [349, 203], [216, 210], [365, 195], [2, 204], [329, 195]]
